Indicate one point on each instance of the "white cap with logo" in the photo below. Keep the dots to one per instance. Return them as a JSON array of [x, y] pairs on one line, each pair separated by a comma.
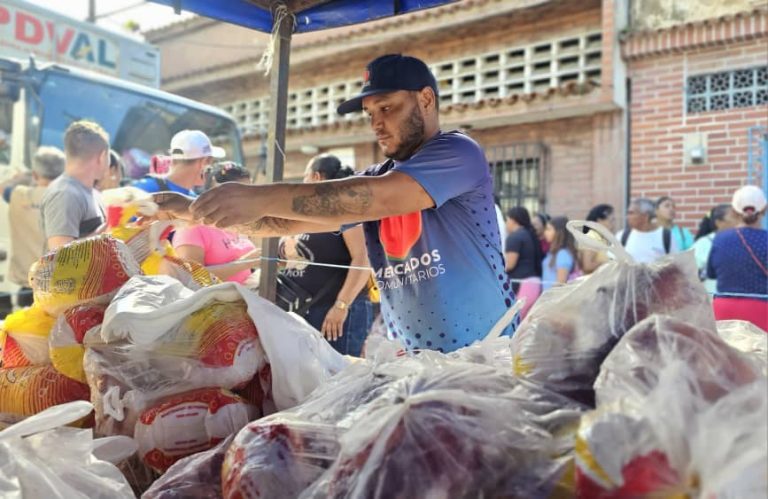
[[194, 144], [749, 198]]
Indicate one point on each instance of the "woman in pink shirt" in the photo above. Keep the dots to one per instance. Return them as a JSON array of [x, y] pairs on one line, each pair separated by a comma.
[[211, 246]]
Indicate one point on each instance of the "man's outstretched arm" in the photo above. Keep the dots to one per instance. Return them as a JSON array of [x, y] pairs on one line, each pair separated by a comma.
[[330, 203]]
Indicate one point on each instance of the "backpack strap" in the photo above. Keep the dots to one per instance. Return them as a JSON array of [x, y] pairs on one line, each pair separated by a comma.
[[667, 237], [625, 236]]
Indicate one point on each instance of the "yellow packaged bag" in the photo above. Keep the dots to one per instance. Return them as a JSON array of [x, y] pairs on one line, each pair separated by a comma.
[[24, 338], [28, 390], [83, 271]]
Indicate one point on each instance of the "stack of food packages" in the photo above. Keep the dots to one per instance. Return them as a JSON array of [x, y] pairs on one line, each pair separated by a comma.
[[175, 391], [620, 384]]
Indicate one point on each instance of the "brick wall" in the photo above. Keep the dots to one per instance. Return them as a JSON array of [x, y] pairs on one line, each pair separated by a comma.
[[659, 124], [583, 168]]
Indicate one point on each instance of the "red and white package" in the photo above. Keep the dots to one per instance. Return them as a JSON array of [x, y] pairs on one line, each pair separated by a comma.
[[188, 423]]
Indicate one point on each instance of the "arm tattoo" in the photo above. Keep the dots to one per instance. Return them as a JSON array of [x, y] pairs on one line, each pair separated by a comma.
[[335, 198]]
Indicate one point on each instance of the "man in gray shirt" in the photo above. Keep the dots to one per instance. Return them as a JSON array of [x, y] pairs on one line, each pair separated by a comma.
[[71, 208]]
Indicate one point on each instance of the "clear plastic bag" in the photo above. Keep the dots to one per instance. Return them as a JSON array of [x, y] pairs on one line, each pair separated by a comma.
[[195, 477], [746, 338], [278, 457], [675, 444], [444, 443], [409, 426], [659, 343], [680, 414], [39, 457], [571, 328]]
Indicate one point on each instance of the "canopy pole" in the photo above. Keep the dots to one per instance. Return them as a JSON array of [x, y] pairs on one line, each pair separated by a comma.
[[278, 92]]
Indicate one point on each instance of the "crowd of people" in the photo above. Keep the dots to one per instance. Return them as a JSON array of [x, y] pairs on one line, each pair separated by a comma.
[[730, 248], [446, 265]]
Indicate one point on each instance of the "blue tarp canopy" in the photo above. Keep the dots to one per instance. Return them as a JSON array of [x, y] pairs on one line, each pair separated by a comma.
[[311, 15]]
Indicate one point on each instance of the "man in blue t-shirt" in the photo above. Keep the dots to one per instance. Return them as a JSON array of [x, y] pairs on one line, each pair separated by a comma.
[[427, 213], [191, 153]]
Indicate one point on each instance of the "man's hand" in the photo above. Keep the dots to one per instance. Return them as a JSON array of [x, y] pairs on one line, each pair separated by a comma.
[[172, 205], [229, 204]]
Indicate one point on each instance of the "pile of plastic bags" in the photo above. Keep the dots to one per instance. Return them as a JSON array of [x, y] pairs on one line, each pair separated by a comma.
[[176, 362], [618, 385]]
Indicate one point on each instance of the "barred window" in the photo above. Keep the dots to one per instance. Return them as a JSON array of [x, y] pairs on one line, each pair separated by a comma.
[[518, 172], [727, 90]]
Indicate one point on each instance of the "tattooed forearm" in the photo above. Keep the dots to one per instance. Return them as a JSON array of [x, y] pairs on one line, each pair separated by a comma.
[[335, 198]]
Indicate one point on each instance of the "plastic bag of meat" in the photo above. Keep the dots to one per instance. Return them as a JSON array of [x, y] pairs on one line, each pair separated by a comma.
[[410, 427], [746, 338], [658, 344], [571, 328], [444, 444], [24, 338], [278, 457], [189, 422], [195, 477], [84, 271], [675, 443]]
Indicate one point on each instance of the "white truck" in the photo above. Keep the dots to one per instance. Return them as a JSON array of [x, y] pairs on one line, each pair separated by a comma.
[[55, 70]]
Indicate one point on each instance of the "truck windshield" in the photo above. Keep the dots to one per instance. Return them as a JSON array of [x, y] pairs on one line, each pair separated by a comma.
[[138, 125]]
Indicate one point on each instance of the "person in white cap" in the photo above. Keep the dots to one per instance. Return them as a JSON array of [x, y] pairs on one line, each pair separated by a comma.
[[191, 153], [739, 262]]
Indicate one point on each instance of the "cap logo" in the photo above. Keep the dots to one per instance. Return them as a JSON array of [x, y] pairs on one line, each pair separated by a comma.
[[366, 78]]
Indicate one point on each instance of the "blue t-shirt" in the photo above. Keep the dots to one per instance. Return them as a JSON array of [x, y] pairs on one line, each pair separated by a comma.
[[150, 184], [731, 263], [683, 238], [440, 270], [563, 260]]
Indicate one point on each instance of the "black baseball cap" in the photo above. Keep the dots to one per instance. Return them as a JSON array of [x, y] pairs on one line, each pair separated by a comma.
[[390, 73]]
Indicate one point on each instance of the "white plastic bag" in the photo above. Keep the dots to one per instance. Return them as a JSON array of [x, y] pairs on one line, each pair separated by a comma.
[[40, 458], [146, 349]]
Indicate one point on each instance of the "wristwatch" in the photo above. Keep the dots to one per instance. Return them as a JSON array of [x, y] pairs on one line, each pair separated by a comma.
[[341, 304]]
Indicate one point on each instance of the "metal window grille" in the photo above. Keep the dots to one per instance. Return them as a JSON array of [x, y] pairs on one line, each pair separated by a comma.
[[520, 69], [727, 90], [519, 172]]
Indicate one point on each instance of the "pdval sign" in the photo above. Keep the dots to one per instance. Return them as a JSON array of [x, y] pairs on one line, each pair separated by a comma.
[[52, 39]]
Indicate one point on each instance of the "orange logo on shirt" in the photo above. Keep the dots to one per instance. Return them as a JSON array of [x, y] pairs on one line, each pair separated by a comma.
[[398, 234]]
